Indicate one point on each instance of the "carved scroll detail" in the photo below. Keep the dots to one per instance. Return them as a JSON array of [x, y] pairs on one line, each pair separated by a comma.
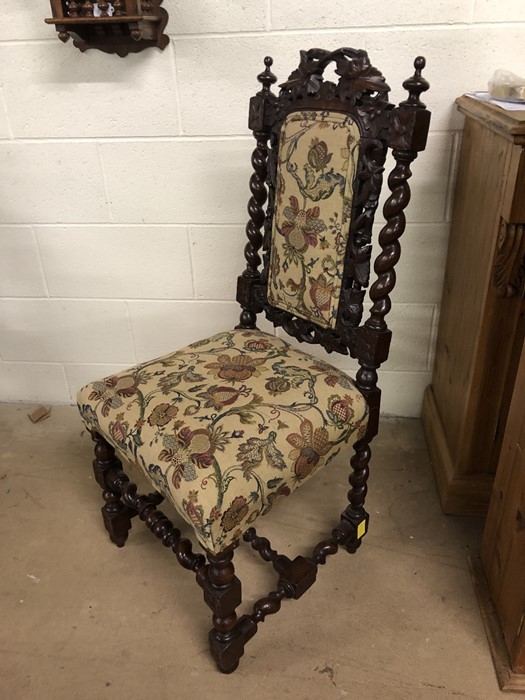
[[358, 79], [509, 262]]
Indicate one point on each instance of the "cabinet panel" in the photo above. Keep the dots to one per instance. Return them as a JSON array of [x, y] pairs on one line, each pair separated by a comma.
[[503, 546], [481, 322], [513, 209]]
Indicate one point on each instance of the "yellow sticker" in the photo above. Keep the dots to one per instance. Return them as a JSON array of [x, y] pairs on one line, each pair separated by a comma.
[[361, 529]]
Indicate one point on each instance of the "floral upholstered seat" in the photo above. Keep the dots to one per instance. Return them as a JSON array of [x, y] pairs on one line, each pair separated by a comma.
[[227, 426]]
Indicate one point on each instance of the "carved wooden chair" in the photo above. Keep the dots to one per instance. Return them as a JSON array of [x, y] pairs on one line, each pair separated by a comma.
[[230, 425]]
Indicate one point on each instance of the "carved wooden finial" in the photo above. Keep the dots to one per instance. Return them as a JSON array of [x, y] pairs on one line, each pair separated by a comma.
[[267, 78], [103, 6], [73, 8], [146, 7], [120, 8], [416, 84]]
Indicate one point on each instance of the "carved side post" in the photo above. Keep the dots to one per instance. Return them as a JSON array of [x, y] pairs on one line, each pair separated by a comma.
[[116, 516], [409, 124], [260, 123]]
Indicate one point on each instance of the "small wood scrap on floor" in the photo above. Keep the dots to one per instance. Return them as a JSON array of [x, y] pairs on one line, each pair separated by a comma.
[[39, 414]]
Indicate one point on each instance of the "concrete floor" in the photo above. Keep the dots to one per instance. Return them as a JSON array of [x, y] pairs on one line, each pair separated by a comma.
[[82, 619]]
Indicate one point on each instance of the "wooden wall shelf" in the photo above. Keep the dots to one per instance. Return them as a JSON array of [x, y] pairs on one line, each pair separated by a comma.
[[123, 26]]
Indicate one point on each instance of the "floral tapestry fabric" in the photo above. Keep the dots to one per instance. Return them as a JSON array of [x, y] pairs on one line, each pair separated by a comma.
[[228, 426], [318, 155]]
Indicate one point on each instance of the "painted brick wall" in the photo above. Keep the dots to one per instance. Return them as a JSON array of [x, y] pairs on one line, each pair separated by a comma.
[[123, 196]]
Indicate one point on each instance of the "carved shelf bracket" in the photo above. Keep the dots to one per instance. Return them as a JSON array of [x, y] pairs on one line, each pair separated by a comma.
[[119, 26]]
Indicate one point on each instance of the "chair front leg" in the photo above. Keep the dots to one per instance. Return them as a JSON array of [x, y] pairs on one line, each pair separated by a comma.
[[222, 593], [116, 516], [354, 519]]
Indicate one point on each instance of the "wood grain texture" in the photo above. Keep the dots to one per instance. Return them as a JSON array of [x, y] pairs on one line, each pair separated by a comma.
[[509, 125], [466, 494], [508, 679], [513, 209], [503, 546], [472, 242]]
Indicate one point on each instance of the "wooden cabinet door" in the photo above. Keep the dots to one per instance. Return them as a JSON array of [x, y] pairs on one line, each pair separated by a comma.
[[503, 547]]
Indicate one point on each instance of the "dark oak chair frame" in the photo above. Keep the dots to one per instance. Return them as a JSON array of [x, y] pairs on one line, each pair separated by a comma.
[[362, 93]]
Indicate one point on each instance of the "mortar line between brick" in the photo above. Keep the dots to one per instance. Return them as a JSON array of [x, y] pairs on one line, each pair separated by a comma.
[[158, 224], [362, 30], [125, 300], [451, 179], [177, 91], [100, 224], [41, 262], [159, 300], [432, 339], [37, 362], [13, 225], [105, 182], [401, 371], [106, 224], [373, 29], [25, 42], [130, 329], [66, 381], [192, 263], [100, 364], [194, 138], [63, 363], [138, 139], [269, 19], [8, 122]]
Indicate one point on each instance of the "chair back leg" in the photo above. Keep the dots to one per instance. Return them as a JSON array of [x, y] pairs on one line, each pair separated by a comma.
[[116, 516]]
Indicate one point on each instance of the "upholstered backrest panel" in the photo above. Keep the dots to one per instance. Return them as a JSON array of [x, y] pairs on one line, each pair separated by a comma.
[[318, 153]]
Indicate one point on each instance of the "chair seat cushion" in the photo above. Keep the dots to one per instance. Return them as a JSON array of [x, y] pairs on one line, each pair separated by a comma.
[[227, 426]]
